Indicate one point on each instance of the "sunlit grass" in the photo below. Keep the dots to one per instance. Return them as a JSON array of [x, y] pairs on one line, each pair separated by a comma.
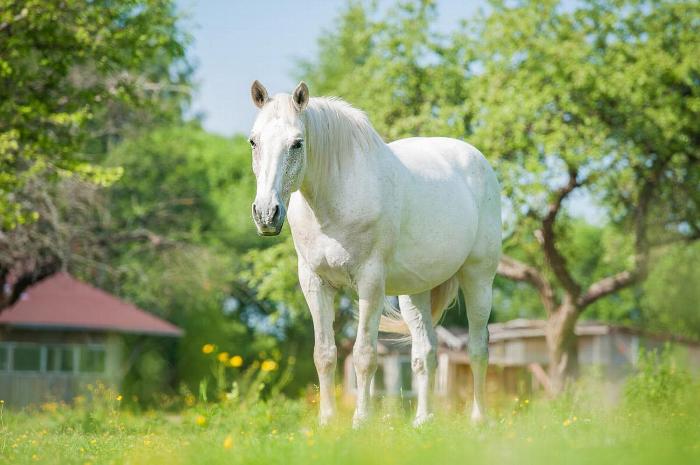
[[575, 429]]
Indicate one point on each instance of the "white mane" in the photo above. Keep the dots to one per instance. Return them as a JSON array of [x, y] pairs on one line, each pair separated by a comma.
[[335, 133]]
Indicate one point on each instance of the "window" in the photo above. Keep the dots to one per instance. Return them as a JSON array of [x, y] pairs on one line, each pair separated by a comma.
[[92, 359], [4, 353], [27, 358], [60, 359]]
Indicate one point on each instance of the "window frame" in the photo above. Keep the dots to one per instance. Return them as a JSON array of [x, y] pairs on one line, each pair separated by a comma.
[[5, 367], [91, 347], [76, 350], [31, 345]]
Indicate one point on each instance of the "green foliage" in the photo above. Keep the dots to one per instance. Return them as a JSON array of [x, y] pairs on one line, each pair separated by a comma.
[[659, 382], [671, 294], [73, 74], [272, 272], [183, 184], [243, 382]]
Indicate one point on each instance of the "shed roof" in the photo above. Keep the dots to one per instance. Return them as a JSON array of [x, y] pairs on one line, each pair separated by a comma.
[[521, 328], [456, 338], [63, 302]]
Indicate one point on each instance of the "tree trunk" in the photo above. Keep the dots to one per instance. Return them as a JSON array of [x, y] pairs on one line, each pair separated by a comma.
[[562, 346]]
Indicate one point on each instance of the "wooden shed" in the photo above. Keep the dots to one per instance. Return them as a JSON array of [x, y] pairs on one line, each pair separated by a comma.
[[518, 359], [63, 334]]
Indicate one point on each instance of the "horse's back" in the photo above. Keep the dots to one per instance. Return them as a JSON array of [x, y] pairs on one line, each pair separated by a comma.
[[440, 159]]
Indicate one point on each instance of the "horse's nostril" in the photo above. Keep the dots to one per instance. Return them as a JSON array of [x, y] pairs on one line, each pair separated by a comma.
[[276, 213], [255, 212]]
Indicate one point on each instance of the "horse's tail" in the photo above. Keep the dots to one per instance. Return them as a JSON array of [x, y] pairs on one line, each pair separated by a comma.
[[441, 297]]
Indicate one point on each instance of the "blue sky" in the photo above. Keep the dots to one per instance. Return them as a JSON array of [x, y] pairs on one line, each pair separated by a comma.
[[238, 41]]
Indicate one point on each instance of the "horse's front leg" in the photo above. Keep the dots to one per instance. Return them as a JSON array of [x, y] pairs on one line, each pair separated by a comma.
[[319, 297], [370, 291]]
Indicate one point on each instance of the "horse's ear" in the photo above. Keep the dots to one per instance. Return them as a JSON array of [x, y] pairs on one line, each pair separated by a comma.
[[259, 94], [301, 96]]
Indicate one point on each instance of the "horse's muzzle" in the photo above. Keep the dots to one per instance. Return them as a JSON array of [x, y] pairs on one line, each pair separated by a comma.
[[269, 219]]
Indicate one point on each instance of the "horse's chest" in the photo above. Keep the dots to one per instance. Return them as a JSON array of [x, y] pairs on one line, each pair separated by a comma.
[[330, 259]]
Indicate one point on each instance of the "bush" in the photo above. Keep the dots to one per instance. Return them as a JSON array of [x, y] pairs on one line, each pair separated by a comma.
[[658, 381]]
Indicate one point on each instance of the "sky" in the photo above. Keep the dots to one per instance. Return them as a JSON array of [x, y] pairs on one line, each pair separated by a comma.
[[236, 42]]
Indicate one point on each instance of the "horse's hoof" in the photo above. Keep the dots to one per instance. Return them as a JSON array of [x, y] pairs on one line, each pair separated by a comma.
[[477, 418], [422, 420], [358, 421], [325, 420]]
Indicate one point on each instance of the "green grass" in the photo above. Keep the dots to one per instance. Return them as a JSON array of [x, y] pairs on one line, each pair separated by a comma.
[[578, 428]]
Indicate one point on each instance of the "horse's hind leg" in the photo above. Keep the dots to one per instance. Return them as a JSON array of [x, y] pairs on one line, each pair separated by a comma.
[[476, 281], [415, 310]]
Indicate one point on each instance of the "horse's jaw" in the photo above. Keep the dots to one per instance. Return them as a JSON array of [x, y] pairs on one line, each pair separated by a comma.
[[266, 231]]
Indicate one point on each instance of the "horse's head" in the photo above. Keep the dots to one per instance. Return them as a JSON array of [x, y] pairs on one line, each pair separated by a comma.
[[279, 154]]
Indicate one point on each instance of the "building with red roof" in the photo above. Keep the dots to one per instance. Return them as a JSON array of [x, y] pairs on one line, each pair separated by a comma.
[[63, 334]]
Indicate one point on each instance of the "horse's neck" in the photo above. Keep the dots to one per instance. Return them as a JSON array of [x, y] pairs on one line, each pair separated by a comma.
[[344, 184]]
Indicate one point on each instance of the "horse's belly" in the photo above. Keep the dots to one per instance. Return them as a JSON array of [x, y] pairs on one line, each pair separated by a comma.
[[440, 212], [435, 240]]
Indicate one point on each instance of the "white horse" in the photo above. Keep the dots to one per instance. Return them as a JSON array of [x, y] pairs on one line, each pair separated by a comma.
[[416, 218]]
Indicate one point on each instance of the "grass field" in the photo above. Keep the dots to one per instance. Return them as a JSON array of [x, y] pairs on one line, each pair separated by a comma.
[[657, 422]]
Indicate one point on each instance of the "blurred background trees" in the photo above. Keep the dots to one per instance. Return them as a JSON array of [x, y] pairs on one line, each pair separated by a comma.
[[589, 114], [76, 77]]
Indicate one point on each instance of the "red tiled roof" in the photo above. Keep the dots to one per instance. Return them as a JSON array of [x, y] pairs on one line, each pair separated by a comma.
[[62, 302]]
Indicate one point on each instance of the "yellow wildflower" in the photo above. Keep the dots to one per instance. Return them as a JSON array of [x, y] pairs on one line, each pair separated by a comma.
[[567, 422], [236, 361], [268, 365], [223, 357], [228, 442], [200, 420], [207, 348], [119, 397]]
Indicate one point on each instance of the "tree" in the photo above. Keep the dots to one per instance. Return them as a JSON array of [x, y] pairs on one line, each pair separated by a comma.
[[75, 77], [599, 100], [72, 75], [599, 103]]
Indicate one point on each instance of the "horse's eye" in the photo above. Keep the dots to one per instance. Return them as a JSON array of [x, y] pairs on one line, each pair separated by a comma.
[[297, 144], [252, 142]]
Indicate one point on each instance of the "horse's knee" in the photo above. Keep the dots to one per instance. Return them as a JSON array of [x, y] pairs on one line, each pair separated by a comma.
[[424, 361], [325, 358], [365, 358]]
